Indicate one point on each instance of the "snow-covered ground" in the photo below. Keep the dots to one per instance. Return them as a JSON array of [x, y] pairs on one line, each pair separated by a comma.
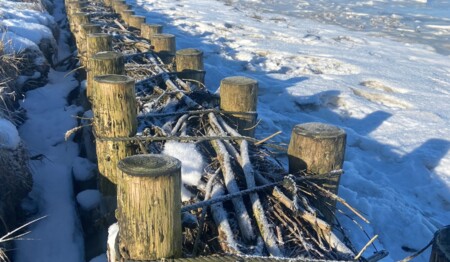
[[390, 94]]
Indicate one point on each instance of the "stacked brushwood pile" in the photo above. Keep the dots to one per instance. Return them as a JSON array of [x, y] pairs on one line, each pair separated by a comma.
[[246, 203]]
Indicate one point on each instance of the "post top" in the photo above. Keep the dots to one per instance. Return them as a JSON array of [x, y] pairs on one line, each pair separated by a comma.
[[105, 55], [90, 25], [113, 79], [239, 81], [152, 25], [318, 130], [189, 51], [149, 165], [99, 35], [162, 36], [138, 16]]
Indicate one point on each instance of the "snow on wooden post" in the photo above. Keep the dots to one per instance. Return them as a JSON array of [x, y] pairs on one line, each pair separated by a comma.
[[240, 94], [114, 111], [149, 207], [441, 246], [189, 64], [165, 47], [148, 30], [136, 21], [318, 148]]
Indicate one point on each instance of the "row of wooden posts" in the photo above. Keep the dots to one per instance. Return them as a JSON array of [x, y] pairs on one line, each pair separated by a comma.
[[153, 182]]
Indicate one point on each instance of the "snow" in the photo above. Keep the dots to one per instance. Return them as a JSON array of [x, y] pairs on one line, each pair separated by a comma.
[[9, 136], [89, 199], [113, 232], [192, 164], [83, 169]]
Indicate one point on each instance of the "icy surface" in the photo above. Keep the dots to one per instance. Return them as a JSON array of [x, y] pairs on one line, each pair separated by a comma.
[[387, 90], [9, 136], [191, 164]]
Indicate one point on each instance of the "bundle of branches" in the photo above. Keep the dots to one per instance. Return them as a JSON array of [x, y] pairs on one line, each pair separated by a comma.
[[246, 203]]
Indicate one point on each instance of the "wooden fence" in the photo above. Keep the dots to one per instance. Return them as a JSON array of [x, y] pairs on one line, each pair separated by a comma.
[[145, 188]]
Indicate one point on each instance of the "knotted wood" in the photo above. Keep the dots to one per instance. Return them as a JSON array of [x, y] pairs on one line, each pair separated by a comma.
[[318, 148], [239, 94], [149, 207]]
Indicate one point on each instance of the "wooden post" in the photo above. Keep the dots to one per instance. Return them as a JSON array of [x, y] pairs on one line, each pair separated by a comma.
[[114, 116], [78, 19], [136, 21], [165, 47], [103, 63], [86, 29], [148, 30], [149, 207], [318, 148], [116, 5], [107, 3], [440, 251], [189, 64], [126, 15], [240, 94], [75, 7], [98, 43]]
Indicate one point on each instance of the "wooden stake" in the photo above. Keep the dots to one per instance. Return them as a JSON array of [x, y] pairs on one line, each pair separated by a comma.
[[75, 7], [86, 29], [149, 207], [126, 16], [318, 148], [148, 30], [115, 110], [98, 43], [136, 21], [239, 94], [103, 63], [189, 64], [78, 19], [164, 46], [441, 246], [116, 4]]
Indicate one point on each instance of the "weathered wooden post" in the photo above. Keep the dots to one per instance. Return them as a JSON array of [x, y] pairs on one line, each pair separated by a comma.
[[440, 251], [148, 30], [115, 110], [78, 19], [136, 21], [116, 5], [189, 64], [318, 148], [104, 63], [98, 43], [165, 47], [86, 29], [240, 94], [126, 15], [149, 207], [75, 7]]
